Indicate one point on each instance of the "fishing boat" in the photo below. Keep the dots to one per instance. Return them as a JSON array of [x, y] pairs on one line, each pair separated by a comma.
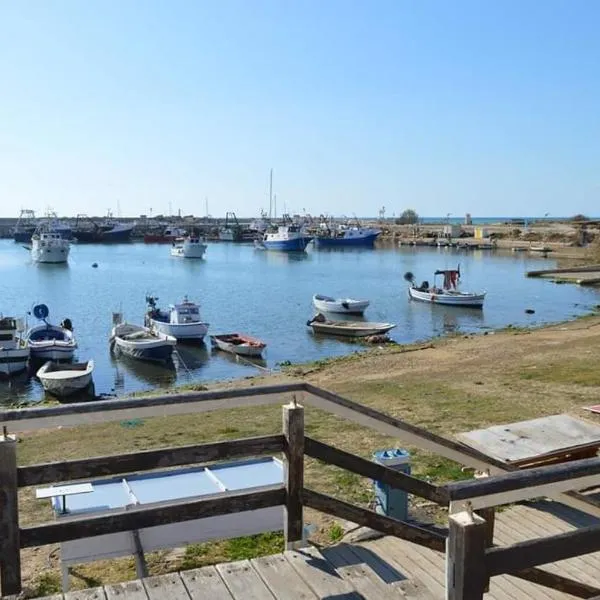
[[182, 321], [189, 247], [25, 226], [50, 342], [448, 294], [344, 235], [141, 342], [166, 236], [49, 247], [238, 343], [286, 238], [14, 352], [108, 231], [63, 380], [320, 324], [339, 305]]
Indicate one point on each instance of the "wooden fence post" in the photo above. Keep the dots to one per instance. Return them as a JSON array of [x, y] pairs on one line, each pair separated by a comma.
[[466, 573], [489, 516], [10, 547], [293, 431]]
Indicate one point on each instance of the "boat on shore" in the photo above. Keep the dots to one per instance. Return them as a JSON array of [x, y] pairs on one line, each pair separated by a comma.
[[49, 247], [62, 380], [320, 324], [50, 342], [238, 343], [447, 294], [14, 352], [140, 342], [189, 247], [182, 321], [332, 235], [339, 305]]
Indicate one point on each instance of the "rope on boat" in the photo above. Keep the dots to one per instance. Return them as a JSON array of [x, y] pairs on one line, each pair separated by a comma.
[[176, 352], [245, 360]]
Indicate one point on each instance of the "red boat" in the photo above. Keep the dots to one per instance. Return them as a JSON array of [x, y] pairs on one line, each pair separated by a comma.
[[168, 236]]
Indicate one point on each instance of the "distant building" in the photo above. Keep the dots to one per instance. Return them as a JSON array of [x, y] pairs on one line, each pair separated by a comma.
[[468, 219]]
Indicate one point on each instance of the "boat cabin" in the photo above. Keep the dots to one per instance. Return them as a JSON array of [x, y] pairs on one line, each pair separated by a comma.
[[177, 314], [8, 332]]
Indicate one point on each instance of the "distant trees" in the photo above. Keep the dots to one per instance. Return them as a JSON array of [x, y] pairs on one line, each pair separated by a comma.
[[408, 217], [579, 218]]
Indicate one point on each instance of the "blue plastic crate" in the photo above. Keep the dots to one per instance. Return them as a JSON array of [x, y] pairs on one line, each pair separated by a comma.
[[391, 501]]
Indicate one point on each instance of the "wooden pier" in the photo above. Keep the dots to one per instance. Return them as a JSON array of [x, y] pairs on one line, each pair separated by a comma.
[[481, 550]]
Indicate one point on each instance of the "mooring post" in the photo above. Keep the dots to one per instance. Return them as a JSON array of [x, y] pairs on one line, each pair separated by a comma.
[[10, 547], [466, 573], [293, 431]]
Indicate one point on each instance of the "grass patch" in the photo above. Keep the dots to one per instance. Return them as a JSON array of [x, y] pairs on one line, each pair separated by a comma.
[[45, 585], [336, 533], [573, 372]]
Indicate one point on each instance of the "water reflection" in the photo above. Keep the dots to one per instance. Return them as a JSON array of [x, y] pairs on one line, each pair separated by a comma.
[[154, 374], [239, 360]]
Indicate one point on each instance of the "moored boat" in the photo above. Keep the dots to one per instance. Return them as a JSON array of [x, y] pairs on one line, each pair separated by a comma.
[[238, 343], [49, 247], [331, 235], [25, 226], [141, 342], [189, 247], [89, 231], [286, 238], [182, 321], [167, 236], [14, 352], [50, 342], [320, 324], [339, 305], [448, 294], [63, 380]]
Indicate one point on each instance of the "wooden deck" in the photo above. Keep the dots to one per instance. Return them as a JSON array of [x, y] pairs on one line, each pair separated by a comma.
[[381, 568]]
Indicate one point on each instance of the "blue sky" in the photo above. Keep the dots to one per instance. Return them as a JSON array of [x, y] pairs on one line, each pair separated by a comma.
[[447, 107]]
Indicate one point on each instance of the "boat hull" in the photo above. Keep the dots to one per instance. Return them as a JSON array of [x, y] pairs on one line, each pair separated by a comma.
[[467, 300], [239, 349], [13, 361], [51, 255], [50, 342], [349, 328], [24, 237], [368, 241], [182, 331], [158, 353], [348, 307], [118, 236], [298, 244], [153, 347], [65, 383]]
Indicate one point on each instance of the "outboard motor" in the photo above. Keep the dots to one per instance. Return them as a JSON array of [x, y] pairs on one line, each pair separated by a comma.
[[424, 286], [67, 324]]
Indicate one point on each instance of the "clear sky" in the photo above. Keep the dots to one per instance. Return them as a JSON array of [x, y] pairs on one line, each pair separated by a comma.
[[488, 107]]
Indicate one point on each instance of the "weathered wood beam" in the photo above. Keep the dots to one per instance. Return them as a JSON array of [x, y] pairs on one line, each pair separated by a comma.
[[372, 470], [368, 518], [293, 432], [140, 518], [540, 551], [559, 583], [55, 472]]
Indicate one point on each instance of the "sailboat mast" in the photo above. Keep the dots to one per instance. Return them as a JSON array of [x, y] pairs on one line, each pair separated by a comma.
[[271, 194]]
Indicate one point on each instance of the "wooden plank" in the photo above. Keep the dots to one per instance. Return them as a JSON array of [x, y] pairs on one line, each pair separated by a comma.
[[375, 521], [205, 583], [281, 578], [360, 576], [243, 581], [384, 570], [10, 542], [89, 594], [150, 459], [129, 590], [293, 472], [319, 575], [163, 587], [372, 470], [466, 575], [139, 518], [532, 553]]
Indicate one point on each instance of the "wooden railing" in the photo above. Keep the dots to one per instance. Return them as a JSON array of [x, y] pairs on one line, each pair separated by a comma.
[[471, 556]]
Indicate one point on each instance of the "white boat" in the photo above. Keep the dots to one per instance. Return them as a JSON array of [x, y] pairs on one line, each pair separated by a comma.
[[14, 352], [339, 305], [50, 342], [238, 343], [320, 324], [189, 247], [63, 380], [286, 238], [142, 343], [49, 247], [182, 321], [448, 294]]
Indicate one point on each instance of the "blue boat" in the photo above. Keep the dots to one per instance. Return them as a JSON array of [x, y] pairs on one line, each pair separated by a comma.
[[344, 236], [287, 238]]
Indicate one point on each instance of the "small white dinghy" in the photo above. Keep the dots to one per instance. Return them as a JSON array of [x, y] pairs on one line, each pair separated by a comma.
[[448, 294], [140, 342], [339, 305], [50, 342], [320, 324], [61, 380], [238, 343]]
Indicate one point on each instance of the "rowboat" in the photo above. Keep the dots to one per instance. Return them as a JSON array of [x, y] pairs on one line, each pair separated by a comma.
[[63, 380], [142, 343], [238, 343], [320, 324], [50, 342], [339, 305], [448, 294]]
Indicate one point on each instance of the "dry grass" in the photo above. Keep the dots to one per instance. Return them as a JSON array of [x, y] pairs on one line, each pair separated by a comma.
[[458, 385]]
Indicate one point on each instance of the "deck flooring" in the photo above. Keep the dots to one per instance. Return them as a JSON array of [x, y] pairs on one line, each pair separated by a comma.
[[383, 568]]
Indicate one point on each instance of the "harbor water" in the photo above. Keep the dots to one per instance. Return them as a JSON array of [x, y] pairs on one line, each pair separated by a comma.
[[266, 295]]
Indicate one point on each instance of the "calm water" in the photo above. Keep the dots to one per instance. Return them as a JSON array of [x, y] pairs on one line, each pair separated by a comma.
[[265, 294]]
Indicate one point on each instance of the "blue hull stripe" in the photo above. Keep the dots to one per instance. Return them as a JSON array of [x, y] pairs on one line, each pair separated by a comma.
[[366, 241], [288, 245]]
